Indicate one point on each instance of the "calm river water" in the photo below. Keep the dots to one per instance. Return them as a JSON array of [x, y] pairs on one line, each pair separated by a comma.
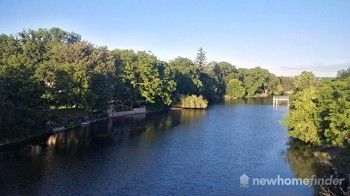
[[184, 152]]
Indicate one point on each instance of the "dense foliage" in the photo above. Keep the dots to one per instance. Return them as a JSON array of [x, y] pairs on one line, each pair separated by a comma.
[[194, 101], [287, 84], [320, 110], [45, 70], [256, 82], [235, 88], [22, 108]]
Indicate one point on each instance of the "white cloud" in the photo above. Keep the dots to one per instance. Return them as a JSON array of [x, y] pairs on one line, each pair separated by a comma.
[[319, 69]]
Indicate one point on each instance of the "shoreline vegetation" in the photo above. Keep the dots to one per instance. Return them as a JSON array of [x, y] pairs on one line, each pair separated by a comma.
[[50, 78], [318, 123], [319, 113]]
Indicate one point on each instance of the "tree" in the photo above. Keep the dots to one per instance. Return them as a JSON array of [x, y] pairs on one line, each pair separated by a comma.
[[235, 89], [319, 113], [214, 71], [214, 85], [227, 68], [304, 80], [23, 110], [209, 89], [186, 76], [255, 80], [274, 86], [74, 75], [145, 76], [124, 90], [168, 85], [100, 77], [201, 58], [333, 107], [344, 73], [302, 116], [287, 83]]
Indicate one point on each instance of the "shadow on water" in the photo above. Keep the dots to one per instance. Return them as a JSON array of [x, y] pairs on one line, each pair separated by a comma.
[[24, 165], [306, 162], [105, 133]]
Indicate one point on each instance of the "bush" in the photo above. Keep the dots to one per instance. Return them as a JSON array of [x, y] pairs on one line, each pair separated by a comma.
[[194, 101]]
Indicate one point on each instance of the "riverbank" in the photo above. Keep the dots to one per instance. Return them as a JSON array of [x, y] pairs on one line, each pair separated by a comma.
[[334, 156], [70, 120], [320, 162]]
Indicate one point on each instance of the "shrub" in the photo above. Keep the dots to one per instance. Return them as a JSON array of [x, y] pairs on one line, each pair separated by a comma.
[[194, 101]]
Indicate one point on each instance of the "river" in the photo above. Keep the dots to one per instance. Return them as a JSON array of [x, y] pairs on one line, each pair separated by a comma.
[[182, 152]]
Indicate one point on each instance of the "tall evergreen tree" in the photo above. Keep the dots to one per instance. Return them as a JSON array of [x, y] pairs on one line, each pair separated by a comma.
[[201, 58]]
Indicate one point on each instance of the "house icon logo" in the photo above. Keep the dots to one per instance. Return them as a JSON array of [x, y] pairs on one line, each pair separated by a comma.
[[244, 181]]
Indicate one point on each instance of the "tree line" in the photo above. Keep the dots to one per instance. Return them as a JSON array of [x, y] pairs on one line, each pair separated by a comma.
[[319, 111], [49, 69]]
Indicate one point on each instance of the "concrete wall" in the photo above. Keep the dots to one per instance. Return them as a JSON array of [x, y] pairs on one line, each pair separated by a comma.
[[140, 110], [111, 114]]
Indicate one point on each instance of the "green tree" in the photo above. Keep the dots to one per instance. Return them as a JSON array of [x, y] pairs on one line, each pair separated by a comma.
[[255, 80], [218, 75], [227, 68], [302, 116], [344, 73], [186, 76], [287, 83], [201, 58], [304, 80], [100, 72], [145, 76], [23, 111], [333, 106], [209, 89], [235, 88], [274, 86], [74, 75], [319, 113], [168, 85]]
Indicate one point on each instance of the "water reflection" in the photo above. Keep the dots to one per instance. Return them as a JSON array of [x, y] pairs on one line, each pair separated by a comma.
[[105, 133], [23, 166], [306, 162], [199, 152], [252, 101]]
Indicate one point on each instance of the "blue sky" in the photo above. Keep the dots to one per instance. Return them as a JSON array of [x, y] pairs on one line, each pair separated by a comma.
[[283, 36]]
